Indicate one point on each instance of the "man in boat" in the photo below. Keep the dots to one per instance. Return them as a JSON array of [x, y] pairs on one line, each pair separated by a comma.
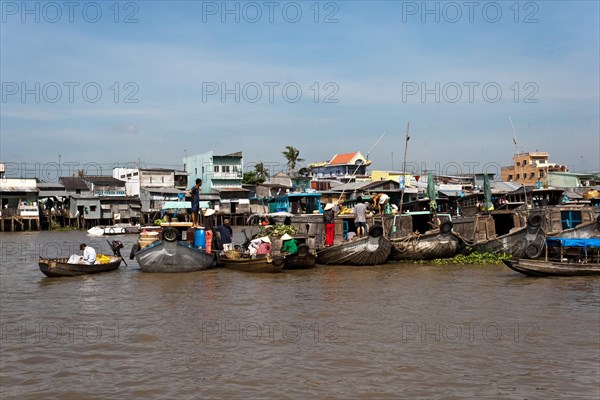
[[89, 254], [195, 193], [226, 233], [328, 220], [360, 218], [380, 201], [290, 245]]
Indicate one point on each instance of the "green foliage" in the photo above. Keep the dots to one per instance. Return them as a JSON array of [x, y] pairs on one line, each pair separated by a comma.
[[252, 178], [292, 155], [158, 222], [276, 230], [473, 258], [55, 226]]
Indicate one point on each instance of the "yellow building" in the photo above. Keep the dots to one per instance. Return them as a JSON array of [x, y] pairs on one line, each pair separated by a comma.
[[391, 176], [530, 167]]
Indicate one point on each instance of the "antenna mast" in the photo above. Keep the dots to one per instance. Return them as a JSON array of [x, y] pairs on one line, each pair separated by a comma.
[[520, 166]]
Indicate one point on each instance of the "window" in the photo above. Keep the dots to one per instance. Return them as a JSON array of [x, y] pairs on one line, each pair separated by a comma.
[[518, 176], [225, 168], [518, 164], [93, 208], [216, 168], [235, 168], [150, 179], [122, 176], [541, 173], [532, 175], [524, 162], [163, 179], [510, 178], [135, 174], [196, 171]]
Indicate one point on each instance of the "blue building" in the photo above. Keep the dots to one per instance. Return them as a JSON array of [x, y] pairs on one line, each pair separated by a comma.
[[215, 171]]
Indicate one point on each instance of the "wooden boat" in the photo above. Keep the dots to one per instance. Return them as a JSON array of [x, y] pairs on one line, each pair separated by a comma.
[[55, 267], [120, 229], [260, 264], [303, 259], [441, 243], [527, 241], [370, 250], [551, 268], [167, 256], [574, 259], [167, 252], [582, 231]]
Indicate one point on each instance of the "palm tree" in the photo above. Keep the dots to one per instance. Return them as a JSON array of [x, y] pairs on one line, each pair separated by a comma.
[[261, 172], [292, 154]]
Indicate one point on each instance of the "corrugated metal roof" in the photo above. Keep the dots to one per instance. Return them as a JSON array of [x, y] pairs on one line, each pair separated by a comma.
[[50, 185], [73, 183], [230, 189], [52, 193], [162, 190], [506, 187]]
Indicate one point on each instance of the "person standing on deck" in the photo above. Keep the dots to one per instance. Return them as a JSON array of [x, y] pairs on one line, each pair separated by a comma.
[[328, 220], [208, 226], [360, 218], [195, 193]]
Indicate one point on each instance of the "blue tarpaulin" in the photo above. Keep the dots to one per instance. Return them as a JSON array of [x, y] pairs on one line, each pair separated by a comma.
[[570, 242]]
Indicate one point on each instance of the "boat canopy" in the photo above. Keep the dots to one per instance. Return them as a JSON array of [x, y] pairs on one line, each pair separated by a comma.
[[574, 242]]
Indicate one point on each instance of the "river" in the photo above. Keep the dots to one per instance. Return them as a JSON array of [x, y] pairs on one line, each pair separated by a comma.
[[385, 332]]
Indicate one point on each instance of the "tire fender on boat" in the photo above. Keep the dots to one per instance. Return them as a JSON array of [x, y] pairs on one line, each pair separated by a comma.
[[446, 227], [533, 251], [534, 220], [376, 231], [134, 249], [170, 234], [302, 250], [278, 261]]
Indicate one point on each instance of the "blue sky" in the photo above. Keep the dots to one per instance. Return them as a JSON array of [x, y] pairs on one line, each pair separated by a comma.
[[374, 57]]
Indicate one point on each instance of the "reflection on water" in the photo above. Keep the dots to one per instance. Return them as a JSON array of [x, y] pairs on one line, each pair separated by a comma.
[[391, 331]]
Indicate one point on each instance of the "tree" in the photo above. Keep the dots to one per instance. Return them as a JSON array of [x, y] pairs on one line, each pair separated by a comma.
[[261, 171], [256, 177], [250, 178], [292, 155]]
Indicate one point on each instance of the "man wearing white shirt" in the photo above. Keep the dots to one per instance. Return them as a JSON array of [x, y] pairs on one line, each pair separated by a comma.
[[89, 254]]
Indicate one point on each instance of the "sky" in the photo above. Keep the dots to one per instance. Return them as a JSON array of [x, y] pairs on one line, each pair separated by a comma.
[[99, 84]]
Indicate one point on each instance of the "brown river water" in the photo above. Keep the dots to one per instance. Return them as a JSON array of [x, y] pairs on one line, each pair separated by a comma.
[[386, 332]]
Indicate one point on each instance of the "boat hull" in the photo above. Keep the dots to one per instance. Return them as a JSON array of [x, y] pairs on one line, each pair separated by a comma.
[[425, 247], [582, 231], [523, 242], [256, 265], [365, 251], [57, 267], [551, 268], [297, 261], [163, 256]]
